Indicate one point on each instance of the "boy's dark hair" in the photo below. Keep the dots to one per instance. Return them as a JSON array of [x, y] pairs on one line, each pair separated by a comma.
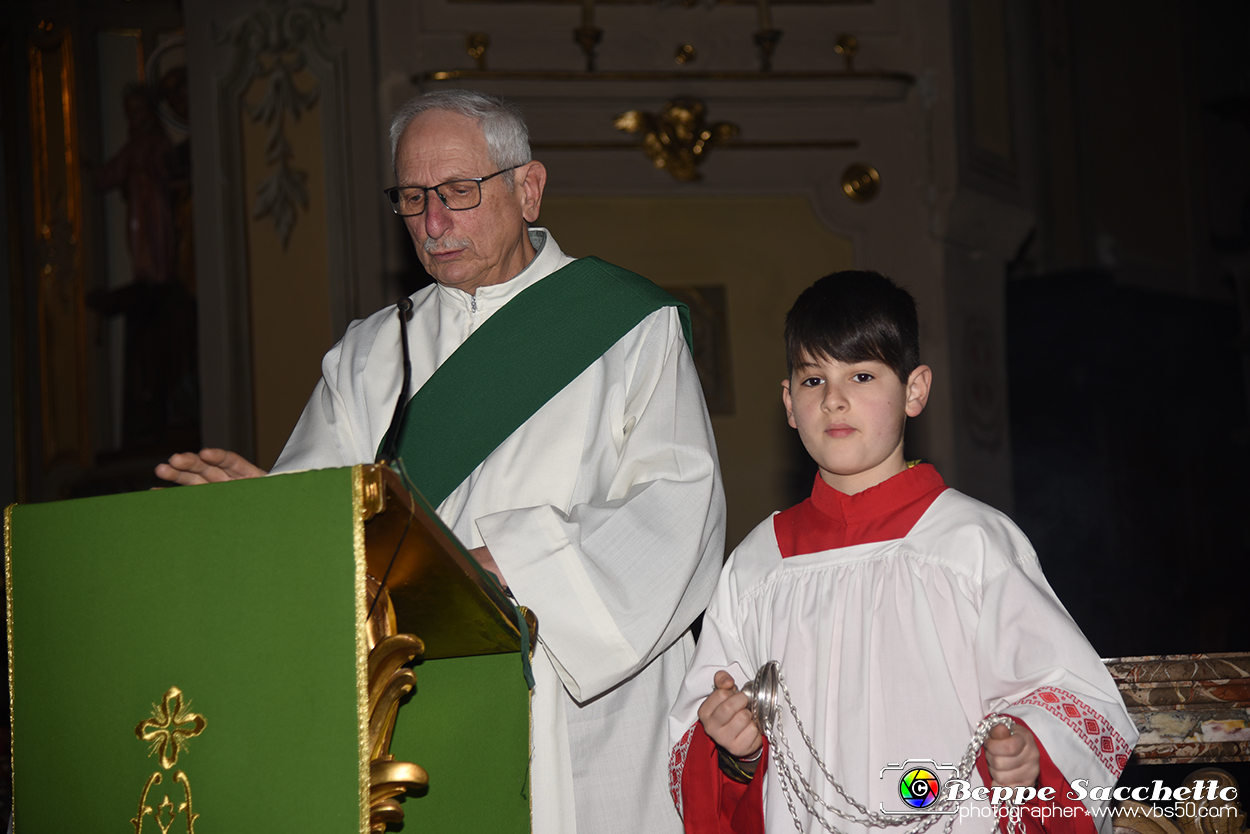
[[854, 316]]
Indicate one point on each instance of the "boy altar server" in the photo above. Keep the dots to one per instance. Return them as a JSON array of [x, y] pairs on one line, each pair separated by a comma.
[[901, 612]]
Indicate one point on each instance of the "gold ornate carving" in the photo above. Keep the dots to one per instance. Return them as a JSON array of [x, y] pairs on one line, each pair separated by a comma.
[[679, 138], [165, 730], [374, 499], [531, 626], [848, 47], [476, 45], [872, 85], [861, 182], [429, 583], [389, 679]]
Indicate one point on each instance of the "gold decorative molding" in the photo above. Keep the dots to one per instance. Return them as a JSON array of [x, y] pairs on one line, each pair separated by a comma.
[[373, 499], [847, 46], [869, 86], [733, 145], [57, 226], [678, 139], [413, 574], [389, 680], [8, 614], [861, 182], [476, 44]]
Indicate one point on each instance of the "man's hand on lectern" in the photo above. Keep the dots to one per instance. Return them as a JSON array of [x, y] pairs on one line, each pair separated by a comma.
[[208, 467]]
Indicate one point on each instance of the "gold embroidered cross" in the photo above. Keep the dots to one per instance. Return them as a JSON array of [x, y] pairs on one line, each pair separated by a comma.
[[164, 729]]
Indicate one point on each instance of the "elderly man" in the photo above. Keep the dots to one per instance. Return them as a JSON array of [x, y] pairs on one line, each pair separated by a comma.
[[600, 507]]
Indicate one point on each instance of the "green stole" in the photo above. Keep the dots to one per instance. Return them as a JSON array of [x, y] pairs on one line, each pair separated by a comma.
[[468, 724], [520, 358]]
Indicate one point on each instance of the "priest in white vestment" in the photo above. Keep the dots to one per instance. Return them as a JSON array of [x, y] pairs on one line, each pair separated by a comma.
[[603, 512]]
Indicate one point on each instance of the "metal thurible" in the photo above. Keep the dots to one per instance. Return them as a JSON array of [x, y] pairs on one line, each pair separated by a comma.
[[762, 696]]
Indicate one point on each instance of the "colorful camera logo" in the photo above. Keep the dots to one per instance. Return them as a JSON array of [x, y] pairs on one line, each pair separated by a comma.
[[919, 787]]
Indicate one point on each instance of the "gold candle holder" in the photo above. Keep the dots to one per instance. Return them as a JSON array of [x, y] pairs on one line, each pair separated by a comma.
[[588, 36], [766, 40]]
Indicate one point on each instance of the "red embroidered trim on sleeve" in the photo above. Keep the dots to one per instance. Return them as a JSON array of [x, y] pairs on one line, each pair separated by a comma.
[[677, 764], [1089, 725]]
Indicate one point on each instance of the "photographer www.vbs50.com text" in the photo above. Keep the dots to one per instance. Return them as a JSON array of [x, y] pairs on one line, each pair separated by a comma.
[[959, 790]]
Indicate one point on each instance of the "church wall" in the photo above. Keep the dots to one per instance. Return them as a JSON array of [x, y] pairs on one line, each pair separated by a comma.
[[288, 277], [1126, 151], [933, 225], [279, 278], [678, 242], [286, 156]]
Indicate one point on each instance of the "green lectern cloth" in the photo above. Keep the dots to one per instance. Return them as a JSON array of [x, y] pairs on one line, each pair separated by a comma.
[[468, 725], [243, 596], [246, 597]]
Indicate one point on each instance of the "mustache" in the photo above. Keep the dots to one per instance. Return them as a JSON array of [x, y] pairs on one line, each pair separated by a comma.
[[444, 244]]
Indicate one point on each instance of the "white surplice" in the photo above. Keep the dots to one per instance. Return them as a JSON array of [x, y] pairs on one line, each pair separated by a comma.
[[605, 514], [894, 650]]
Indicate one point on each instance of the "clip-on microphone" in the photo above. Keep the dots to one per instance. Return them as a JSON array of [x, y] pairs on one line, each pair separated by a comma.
[[390, 446]]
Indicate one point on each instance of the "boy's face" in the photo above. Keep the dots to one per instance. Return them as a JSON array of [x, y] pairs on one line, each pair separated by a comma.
[[850, 417]]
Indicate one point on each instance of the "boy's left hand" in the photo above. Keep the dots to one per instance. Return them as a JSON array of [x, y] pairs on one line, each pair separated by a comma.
[[1013, 756]]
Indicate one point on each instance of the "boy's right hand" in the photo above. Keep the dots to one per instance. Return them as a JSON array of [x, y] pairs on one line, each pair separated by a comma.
[[726, 719]]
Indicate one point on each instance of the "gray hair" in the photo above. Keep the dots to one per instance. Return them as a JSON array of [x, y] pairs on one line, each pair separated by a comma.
[[503, 127]]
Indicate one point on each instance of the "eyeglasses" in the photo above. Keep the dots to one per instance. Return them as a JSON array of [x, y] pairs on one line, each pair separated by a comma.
[[457, 195]]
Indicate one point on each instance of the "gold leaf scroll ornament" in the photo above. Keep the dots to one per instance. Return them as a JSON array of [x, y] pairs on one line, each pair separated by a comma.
[[678, 138], [166, 731], [389, 680]]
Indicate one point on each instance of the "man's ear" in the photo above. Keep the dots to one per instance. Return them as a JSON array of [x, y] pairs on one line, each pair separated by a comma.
[[530, 179], [918, 384], [785, 398]]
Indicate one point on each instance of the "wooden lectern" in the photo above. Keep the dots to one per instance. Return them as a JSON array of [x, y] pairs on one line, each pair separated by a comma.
[[198, 660]]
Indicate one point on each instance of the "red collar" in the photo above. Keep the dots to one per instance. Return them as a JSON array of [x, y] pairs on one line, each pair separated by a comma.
[[831, 519]]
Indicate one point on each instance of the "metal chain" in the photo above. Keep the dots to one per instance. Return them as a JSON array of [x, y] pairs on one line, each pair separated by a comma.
[[762, 694]]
